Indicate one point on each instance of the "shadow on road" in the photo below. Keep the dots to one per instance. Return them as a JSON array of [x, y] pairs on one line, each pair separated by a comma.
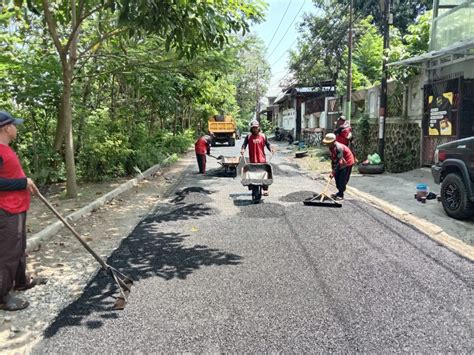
[[145, 253]]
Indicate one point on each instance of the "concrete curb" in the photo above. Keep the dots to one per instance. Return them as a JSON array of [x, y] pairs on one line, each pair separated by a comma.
[[35, 241], [431, 230]]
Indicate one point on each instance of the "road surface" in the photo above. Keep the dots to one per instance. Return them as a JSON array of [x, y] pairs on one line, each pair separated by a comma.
[[216, 273]]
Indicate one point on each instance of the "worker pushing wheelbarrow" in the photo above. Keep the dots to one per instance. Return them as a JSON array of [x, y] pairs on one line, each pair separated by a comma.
[[258, 174]]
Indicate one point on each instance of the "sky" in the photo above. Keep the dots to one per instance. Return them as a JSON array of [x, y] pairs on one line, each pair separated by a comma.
[[279, 39]]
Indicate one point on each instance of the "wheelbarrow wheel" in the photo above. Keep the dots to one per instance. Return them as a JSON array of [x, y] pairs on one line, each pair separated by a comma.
[[256, 193]]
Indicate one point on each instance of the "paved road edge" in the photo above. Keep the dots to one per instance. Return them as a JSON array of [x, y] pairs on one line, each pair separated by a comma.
[[430, 229], [42, 236]]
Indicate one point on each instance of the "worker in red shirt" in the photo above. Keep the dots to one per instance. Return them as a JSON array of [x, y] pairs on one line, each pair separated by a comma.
[[342, 161], [15, 189], [257, 141], [343, 131], [202, 147]]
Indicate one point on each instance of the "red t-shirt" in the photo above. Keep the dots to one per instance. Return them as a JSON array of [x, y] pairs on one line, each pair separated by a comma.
[[257, 145], [341, 156], [344, 136], [201, 146], [12, 201]]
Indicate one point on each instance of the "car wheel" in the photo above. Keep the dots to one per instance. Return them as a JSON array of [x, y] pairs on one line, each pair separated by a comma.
[[454, 197]]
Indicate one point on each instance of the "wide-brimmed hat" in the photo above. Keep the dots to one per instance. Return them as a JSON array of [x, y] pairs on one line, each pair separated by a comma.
[[6, 118], [329, 138]]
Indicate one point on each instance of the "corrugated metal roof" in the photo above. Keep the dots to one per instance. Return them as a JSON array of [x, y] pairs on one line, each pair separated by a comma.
[[456, 48]]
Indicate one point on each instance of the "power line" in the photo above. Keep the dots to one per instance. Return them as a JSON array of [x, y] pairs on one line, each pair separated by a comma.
[[332, 27], [274, 33], [281, 39], [291, 45]]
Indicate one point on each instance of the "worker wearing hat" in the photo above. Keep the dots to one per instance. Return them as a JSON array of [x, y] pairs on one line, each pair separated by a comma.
[[257, 141], [15, 189], [343, 131], [342, 161]]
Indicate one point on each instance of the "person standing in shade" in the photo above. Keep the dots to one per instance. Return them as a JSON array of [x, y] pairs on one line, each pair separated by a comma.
[[15, 190], [343, 131], [202, 147], [257, 141], [342, 161]]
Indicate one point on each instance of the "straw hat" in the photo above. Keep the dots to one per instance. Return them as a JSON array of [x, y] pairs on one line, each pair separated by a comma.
[[330, 138]]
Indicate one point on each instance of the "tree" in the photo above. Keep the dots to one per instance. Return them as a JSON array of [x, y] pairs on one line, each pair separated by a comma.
[[405, 12], [187, 27], [252, 76], [321, 46]]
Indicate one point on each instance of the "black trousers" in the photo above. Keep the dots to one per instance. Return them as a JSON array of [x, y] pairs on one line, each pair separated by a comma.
[[342, 178], [201, 160], [12, 251]]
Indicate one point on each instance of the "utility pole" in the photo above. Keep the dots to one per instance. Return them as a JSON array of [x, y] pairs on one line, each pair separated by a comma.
[[257, 103], [349, 65], [383, 94]]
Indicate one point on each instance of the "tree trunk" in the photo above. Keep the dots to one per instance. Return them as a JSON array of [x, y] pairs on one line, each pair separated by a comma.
[[66, 104], [59, 135]]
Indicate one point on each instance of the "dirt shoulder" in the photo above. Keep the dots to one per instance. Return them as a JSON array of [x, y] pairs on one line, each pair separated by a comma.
[[65, 262]]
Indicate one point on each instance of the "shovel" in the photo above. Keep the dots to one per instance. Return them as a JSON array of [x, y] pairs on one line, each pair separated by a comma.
[[123, 282]]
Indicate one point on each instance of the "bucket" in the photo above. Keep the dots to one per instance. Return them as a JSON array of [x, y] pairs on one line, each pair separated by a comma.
[[421, 191]]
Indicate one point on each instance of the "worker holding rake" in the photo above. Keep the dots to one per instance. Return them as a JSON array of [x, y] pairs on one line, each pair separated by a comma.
[[342, 161], [15, 189]]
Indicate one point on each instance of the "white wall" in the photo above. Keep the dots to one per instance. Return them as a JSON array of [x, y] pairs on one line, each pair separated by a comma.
[[415, 98], [289, 119]]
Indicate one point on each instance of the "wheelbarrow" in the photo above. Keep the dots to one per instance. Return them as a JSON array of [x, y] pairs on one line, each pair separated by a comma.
[[256, 176], [228, 163]]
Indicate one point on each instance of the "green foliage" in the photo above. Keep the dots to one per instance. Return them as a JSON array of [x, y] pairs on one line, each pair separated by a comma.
[[366, 59], [321, 46], [413, 43], [191, 26], [404, 11], [265, 125], [363, 133], [252, 76], [141, 88]]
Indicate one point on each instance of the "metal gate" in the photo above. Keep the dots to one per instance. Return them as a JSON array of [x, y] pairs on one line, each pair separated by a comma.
[[441, 118]]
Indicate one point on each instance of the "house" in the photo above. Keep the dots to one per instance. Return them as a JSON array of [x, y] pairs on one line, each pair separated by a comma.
[[300, 108], [442, 97]]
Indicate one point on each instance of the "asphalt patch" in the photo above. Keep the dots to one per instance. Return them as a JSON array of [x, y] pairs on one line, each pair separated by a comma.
[[298, 196], [263, 210], [192, 195]]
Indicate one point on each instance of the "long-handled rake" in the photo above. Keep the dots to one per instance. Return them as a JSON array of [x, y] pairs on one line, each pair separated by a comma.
[[323, 199], [123, 282]]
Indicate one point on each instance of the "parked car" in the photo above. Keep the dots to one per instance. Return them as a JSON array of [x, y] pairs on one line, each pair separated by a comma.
[[454, 170]]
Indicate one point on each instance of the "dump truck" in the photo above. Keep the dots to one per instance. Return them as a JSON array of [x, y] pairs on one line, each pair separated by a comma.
[[222, 129]]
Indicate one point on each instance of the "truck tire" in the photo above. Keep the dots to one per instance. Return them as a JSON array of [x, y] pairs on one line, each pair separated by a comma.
[[371, 168], [232, 142], [454, 197]]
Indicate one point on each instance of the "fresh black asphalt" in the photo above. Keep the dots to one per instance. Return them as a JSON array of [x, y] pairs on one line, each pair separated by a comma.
[[215, 273]]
